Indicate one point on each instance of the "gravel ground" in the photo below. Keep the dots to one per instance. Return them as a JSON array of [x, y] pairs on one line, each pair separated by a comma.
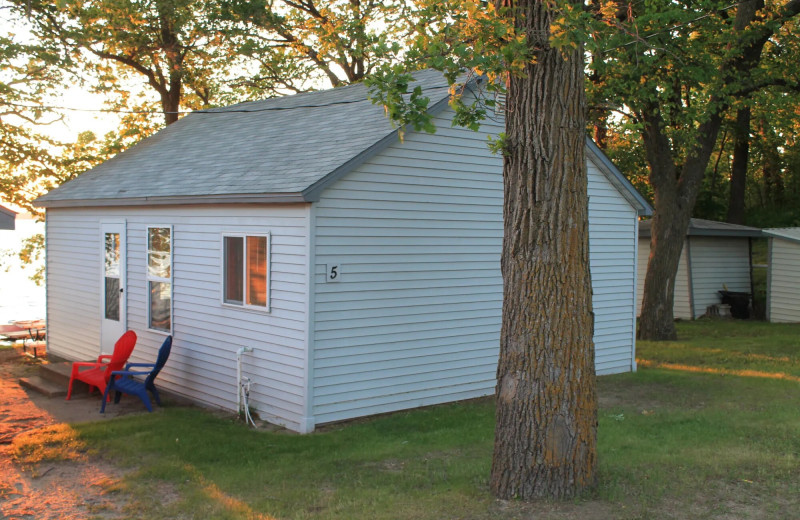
[[72, 489]]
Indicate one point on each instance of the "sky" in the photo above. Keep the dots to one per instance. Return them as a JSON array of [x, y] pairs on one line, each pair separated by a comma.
[[86, 115]]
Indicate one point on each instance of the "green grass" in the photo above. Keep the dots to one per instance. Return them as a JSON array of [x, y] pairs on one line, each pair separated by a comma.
[[672, 444], [427, 462], [730, 345]]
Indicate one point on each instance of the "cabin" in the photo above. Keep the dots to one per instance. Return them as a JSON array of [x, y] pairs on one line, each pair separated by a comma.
[[363, 270], [783, 275], [716, 256], [7, 218]]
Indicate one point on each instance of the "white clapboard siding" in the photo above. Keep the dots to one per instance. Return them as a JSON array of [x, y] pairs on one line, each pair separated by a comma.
[[206, 333], [784, 281], [73, 285], [415, 317], [681, 306], [717, 262], [612, 258]]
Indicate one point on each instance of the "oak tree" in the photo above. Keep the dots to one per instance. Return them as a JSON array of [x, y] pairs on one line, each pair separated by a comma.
[[545, 439]]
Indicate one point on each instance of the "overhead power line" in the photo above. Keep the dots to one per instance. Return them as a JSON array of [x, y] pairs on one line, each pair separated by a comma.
[[219, 110]]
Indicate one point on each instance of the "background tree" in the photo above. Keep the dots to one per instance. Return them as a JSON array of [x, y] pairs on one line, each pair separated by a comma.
[[27, 71], [298, 45], [173, 47], [679, 72]]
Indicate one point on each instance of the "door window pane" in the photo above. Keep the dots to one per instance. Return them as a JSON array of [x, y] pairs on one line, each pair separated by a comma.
[[233, 256], [112, 299], [112, 254], [257, 271]]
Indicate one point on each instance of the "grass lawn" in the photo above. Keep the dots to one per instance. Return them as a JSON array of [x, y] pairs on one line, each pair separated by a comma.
[[709, 427]]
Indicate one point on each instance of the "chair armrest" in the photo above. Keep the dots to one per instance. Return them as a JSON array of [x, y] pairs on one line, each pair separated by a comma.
[[87, 364], [129, 373], [147, 365], [77, 365]]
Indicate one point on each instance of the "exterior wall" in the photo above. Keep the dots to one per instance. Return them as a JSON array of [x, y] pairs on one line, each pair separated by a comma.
[[717, 261], [612, 257], [681, 307], [415, 318], [7, 219], [206, 334], [784, 281]]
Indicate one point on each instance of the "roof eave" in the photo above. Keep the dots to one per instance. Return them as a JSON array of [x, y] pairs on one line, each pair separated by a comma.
[[723, 233], [238, 198], [623, 185], [777, 234], [697, 232]]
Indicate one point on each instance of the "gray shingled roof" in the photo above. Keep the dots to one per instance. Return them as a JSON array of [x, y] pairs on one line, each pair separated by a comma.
[[707, 228], [284, 149], [280, 146], [792, 234]]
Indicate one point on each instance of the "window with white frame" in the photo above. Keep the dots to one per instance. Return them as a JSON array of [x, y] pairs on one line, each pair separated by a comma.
[[159, 278], [245, 270]]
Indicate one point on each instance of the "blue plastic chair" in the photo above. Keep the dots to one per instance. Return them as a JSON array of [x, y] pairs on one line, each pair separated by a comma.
[[122, 381]]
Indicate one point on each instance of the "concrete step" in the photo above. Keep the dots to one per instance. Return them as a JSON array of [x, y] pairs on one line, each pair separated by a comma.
[[56, 375], [56, 372], [43, 386]]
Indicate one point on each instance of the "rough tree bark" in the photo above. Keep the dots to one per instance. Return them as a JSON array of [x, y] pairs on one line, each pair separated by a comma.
[[545, 440]]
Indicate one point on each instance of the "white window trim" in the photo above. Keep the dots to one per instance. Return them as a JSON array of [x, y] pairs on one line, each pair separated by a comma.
[[244, 306], [149, 278]]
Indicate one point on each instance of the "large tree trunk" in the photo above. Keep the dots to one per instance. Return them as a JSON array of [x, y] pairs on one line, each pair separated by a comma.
[[545, 440]]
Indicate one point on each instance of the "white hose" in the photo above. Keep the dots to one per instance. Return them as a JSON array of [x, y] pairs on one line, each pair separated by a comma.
[[244, 385], [243, 393]]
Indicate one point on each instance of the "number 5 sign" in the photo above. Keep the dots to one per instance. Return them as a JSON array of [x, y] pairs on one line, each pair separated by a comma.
[[333, 273]]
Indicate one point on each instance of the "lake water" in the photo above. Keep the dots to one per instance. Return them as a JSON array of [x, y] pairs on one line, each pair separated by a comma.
[[20, 298]]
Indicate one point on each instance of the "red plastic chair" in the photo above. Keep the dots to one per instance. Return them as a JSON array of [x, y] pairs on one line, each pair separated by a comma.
[[97, 374]]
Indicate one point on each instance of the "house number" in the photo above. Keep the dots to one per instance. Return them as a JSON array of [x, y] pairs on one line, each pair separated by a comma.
[[334, 272]]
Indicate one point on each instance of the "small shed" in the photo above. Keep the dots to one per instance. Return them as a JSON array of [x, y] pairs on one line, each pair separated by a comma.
[[363, 270], [783, 275], [715, 256], [7, 218]]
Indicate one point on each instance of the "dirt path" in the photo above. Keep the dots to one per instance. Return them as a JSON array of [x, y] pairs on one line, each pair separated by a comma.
[[74, 489]]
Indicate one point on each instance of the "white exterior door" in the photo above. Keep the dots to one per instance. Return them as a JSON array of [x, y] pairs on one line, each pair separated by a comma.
[[112, 285]]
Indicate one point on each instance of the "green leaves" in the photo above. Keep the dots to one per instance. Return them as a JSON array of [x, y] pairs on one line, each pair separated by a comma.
[[390, 88]]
